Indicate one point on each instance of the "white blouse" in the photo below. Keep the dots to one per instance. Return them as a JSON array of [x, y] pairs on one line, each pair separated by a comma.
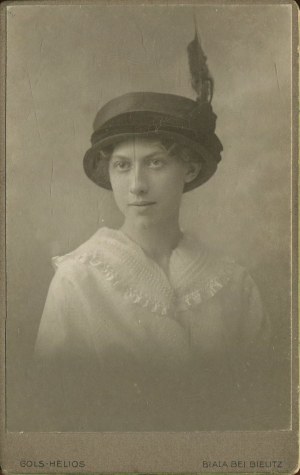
[[142, 350]]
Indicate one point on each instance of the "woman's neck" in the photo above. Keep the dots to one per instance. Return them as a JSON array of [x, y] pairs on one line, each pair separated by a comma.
[[156, 240]]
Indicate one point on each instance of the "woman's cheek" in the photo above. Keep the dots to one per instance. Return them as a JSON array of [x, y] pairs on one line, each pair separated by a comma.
[[120, 194]]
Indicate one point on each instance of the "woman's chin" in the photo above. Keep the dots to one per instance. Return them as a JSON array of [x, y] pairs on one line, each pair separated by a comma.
[[143, 219]]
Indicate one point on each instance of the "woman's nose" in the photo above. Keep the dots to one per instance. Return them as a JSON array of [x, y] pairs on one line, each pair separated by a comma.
[[138, 184]]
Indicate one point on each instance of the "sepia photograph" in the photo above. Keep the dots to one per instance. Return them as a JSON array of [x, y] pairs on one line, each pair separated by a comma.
[[151, 223]]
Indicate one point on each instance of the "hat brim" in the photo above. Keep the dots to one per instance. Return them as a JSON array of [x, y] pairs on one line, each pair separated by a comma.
[[96, 167]]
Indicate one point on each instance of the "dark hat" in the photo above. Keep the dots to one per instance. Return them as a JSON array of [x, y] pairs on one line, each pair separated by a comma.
[[148, 114]]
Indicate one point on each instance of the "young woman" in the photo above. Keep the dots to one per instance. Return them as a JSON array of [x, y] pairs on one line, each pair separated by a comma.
[[144, 328]]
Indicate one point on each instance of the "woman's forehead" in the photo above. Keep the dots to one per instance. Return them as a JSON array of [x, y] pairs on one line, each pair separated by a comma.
[[136, 146]]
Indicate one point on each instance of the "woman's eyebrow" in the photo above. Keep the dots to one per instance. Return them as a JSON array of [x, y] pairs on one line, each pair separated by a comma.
[[150, 155], [157, 153], [120, 156]]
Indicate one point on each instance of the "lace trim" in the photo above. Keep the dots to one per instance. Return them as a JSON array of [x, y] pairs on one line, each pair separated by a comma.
[[210, 287], [144, 300], [198, 276]]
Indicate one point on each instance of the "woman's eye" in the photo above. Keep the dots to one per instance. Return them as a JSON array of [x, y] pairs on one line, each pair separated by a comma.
[[156, 163], [121, 165]]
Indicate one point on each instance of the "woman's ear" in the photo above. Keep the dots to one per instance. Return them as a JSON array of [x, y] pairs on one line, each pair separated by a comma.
[[192, 171]]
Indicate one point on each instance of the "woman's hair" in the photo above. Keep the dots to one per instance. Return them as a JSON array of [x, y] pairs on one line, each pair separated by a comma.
[[174, 149]]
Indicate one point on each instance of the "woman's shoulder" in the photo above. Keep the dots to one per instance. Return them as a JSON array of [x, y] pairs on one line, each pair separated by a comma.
[[85, 252], [197, 256], [201, 272]]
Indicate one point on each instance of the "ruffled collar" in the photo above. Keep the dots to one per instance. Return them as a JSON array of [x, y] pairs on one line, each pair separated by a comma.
[[195, 275]]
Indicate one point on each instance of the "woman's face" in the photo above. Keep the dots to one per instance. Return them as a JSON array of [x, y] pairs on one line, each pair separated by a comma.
[[147, 182]]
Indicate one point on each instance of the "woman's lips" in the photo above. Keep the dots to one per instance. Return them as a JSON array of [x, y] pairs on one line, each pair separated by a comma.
[[142, 203]]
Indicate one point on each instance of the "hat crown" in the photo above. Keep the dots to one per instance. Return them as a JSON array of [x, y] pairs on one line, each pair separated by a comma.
[[159, 103]]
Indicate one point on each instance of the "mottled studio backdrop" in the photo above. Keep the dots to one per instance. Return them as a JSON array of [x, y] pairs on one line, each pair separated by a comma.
[[64, 62]]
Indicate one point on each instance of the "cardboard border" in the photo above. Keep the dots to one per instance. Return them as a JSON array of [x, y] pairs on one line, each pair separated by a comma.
[[154, 452]]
